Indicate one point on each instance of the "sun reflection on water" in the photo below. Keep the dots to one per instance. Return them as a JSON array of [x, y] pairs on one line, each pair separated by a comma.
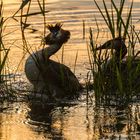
[[77, 120]]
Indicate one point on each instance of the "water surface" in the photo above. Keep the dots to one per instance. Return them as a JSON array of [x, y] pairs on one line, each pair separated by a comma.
[[68, 120]]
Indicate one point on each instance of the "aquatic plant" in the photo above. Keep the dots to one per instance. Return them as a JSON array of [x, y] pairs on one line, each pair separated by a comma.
[[6, 92], [3, 50], [123, 83]]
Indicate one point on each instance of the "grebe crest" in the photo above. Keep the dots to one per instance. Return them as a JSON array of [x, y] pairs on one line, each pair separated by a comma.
[[57, 35]]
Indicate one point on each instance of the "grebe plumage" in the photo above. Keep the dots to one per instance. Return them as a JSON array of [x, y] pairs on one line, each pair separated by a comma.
[[53, 78]]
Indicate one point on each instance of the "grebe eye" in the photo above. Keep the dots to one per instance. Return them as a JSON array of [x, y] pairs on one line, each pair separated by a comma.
[[55, 33]]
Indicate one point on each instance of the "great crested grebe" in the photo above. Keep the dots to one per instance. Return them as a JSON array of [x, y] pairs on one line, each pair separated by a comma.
[[118, 45], [128, 67], [47, 75]]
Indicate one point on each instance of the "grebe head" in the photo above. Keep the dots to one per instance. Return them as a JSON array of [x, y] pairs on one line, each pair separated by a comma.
[[118, 45], [57, 35]]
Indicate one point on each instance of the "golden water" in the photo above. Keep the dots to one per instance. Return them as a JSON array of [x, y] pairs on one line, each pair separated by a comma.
[[75, 121]]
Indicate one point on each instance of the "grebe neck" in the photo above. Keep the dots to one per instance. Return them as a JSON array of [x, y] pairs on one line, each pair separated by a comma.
[[51, 49]]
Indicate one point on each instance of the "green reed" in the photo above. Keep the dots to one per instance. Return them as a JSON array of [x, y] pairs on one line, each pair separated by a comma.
[[3, 50], [6, 91], [121, 84], [24, 21]]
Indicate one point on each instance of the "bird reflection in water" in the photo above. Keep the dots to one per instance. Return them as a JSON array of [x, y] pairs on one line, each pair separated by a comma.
[[48, 119]]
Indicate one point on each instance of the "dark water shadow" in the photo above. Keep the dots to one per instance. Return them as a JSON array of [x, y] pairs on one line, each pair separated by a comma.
[[49, 117], [118, 121]]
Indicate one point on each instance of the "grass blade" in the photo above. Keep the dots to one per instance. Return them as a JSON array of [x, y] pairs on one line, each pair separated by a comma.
[[128, 21], [110, 26], [101, 13], [24, 3], [4, 60]]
